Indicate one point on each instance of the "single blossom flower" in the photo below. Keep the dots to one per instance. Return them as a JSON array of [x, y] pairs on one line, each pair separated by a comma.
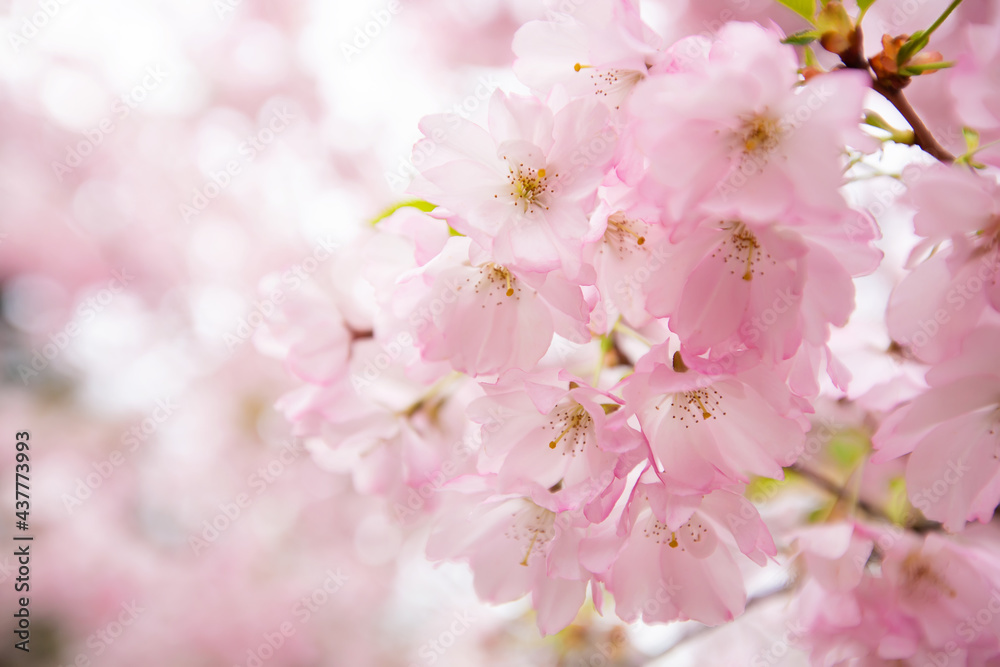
[[558, 441], [734, 134], [708, 428], [483, 317], [596, 49], [667, 558], [731, 285], [514, 547], [523, 190]]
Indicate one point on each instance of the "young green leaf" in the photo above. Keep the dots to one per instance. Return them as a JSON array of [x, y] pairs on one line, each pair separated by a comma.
[[801, 38], [418, 204], [917, 70], [804, 8]]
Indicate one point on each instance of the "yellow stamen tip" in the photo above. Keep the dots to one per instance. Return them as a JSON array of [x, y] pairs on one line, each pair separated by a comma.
[[747, 276], [541, 173], [552, 444], [510, 291], [706, 415], [642, 239], [577, 67]]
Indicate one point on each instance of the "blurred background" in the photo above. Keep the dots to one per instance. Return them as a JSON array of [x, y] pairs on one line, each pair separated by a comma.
[[158, 160]]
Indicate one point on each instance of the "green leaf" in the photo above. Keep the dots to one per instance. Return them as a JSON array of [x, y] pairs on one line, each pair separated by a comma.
[[418, 204], [802, 38], [863, 6], [922, 38], [917, 70], [911, 47], [804, 8]]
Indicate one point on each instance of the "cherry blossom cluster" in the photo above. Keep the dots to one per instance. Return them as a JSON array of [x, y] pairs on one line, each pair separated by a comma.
[[610, 311]]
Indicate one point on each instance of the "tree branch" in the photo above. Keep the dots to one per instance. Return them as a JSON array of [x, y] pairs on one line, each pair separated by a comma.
[[922, 136], [831, 487], [854, 58]]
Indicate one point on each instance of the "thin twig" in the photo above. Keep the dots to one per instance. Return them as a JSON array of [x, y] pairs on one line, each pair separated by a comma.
[[854, 58], [831, 487], [922, 136]]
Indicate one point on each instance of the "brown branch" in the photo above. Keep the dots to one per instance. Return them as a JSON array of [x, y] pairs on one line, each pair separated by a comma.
[[831, 487], [922, 136], [854, 58]]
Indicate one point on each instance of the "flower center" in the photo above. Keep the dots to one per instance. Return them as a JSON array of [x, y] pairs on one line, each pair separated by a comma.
[[742, 248], [695, 406], [624, 235], [529, 187], [573, 423], [536, 526], [759, 135], [611, 81], [495, 280]]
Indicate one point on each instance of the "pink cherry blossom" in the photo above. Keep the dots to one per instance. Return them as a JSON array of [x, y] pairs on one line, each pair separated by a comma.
[[522, 190], [945, 295], [951, 434], [736, 136], [514, 547], [559, 442], [676, 557], [474, 313], [731, 285], [708, 428], [600, 49]]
